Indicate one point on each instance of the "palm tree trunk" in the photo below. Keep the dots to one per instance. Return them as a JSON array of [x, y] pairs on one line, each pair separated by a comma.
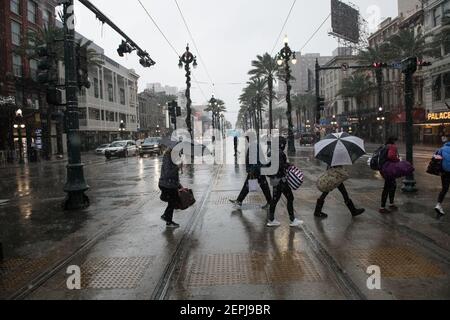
[[270, 87]]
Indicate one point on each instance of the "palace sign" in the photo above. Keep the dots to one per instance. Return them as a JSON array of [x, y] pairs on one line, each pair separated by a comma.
[[436, 117]]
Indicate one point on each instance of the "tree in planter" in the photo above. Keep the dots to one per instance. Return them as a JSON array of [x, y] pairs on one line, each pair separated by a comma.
[[357, 86]]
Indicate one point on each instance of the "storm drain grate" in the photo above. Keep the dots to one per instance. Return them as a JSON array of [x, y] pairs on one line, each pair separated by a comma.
[[257, 268], [114, 273], [252, 199], [400, 263]]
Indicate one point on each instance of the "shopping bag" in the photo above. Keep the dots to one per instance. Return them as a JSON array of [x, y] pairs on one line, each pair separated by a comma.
[[295, 177], [435, 166], [331, 179], [253, 185], [186, 199]]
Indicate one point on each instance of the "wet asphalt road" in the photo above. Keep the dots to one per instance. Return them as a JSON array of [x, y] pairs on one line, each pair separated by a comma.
[[125, 251]]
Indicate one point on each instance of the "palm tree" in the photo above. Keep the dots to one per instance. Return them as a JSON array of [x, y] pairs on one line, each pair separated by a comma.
[[253, 97], [302, 103], [216, 107], [357, 86], [266, 67], [405, 44], [279, 113]]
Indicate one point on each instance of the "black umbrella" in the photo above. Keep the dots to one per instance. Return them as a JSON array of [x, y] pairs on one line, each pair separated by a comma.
[[339, 149]]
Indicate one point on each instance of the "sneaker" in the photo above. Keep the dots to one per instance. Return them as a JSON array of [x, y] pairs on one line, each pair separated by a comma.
[[296, 223], [266, 206], [384, 211], [236, 203], [273, 223], [171, 224], [393, 207], [163, 218], [440, 211]]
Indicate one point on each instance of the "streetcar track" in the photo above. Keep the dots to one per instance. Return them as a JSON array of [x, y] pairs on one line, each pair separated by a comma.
[[162, 288]]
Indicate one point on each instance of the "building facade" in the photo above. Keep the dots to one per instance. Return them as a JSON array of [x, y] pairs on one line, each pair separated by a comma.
[[153, 115], [18, 79]]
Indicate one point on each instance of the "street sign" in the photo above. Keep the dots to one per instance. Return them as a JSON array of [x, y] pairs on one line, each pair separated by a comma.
[[397, 65]]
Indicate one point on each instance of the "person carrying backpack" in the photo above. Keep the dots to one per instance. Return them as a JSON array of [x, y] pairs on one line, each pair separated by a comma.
[[444, 152], [281, 187], [389, 154]]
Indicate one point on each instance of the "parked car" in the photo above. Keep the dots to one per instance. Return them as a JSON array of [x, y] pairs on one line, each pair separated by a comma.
[[122, 149], [101, 149], [307, 139], [151, 146]]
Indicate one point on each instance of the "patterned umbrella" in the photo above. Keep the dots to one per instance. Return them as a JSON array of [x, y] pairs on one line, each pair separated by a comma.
[[339, 149]]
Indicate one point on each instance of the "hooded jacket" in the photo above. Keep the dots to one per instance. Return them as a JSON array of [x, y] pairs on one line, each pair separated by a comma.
[[444, 152], [170, 177]]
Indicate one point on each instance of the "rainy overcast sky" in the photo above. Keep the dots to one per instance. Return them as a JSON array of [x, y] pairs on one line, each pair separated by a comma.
[[228, 34]]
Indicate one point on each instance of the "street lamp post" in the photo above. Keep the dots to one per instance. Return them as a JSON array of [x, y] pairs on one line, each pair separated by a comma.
[[19, 125], [334, 124], [186, 59], [285, 56], [122, 129], [76, 185]]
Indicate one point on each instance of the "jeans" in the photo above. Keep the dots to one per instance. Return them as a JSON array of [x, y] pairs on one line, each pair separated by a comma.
[[282, 188], [172, 201], [445, 178], [262, 183], [390, 187], [343, 191]]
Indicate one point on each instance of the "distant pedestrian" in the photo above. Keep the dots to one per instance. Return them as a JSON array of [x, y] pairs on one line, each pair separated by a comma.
[[169, 184], [253, 173], [444, 152], [236, 142], [390, 183], [281, 187]]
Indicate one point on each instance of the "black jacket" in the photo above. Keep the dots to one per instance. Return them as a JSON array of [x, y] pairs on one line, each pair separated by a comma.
[[284, 165], [170, 177]]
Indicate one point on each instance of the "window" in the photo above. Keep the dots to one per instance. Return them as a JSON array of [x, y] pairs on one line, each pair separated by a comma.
[[96, 88], [110, 92], [94, 114], [101, 89], [437, 88], [46, 18], [82, 113], [17, 65], [122, 96], [437, 15], [15, 6], [103, 115], [33, 69], [446, 82], [32, 8], [15, 33]]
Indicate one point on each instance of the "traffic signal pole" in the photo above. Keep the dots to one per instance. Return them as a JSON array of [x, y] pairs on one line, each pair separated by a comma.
[[76, 185]]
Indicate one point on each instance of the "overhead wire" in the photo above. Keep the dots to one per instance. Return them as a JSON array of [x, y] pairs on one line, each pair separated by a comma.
[[284, 25]]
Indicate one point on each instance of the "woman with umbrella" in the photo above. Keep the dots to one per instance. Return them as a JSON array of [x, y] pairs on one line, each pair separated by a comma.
[[338, 150]]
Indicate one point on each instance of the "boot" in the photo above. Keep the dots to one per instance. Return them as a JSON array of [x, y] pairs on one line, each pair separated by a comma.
[[355, 212], [318, 211]]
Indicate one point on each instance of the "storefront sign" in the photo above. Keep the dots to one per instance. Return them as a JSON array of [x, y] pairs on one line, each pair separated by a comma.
[[438, 116]]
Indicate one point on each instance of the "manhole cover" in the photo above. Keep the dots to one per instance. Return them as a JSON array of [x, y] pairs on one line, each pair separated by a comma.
[[257, 268], [114, 273], [400, 263]]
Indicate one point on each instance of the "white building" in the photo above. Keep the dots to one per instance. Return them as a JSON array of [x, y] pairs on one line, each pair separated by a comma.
[[111, 99]]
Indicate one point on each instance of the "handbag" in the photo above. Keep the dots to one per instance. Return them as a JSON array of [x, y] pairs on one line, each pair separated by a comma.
[[435, 166], [186, 199], [331, 179], [295, 177]]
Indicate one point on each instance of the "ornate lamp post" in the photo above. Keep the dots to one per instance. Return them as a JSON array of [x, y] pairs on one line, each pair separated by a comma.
[[222, 118], [122, 129], [285, 56], [334, 123], [19, 125], [186, 59]]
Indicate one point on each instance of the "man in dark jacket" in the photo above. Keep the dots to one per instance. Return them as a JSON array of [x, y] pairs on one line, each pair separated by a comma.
[[253, 172], [444, 152], [281, 187]]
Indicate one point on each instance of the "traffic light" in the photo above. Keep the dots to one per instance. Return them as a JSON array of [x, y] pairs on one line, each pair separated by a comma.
[[124, 47], [82, 67], [409, 65], [423, 63], [54, 96], [174, 112], [47, 67], [320, 103]]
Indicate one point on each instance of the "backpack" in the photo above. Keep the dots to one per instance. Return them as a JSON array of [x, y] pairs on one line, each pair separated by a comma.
[[379, 158], [294, 177]]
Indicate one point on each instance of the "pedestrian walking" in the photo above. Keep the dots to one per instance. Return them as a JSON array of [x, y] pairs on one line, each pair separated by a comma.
[[253, 173], [169, 184], [390, 183], [337, 150], [236, 141], [281, 187], [444, 152]]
